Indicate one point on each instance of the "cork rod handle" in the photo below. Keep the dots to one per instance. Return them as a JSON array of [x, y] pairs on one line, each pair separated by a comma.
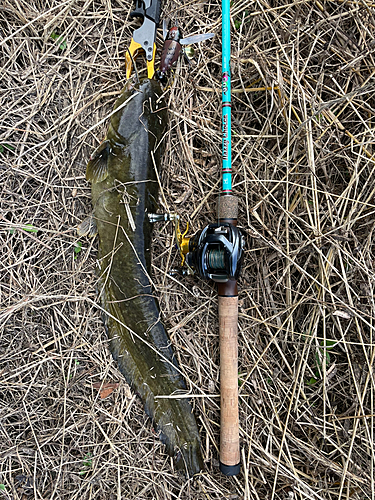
[[229, 428], [227, 210]]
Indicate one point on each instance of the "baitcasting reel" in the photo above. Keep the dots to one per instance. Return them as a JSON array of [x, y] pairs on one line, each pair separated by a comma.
[[215, 252]]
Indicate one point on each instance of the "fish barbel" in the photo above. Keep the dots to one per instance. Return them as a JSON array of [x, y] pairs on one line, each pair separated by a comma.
[[124, 191]]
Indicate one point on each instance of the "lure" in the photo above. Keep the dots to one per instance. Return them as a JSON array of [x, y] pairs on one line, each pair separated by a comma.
[[172, 48]]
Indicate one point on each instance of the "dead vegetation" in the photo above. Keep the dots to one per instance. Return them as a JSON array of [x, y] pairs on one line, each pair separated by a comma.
[[303, 134]]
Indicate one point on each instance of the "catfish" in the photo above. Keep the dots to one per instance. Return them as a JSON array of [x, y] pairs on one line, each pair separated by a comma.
[[124, 187]]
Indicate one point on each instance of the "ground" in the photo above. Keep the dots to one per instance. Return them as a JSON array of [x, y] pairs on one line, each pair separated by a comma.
[[303, 133]]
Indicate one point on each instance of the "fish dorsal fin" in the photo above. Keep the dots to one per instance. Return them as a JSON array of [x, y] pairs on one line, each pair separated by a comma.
[[87, 227], [97, 167]]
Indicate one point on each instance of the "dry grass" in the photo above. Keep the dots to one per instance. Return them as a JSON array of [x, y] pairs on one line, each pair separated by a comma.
[[303, 126]]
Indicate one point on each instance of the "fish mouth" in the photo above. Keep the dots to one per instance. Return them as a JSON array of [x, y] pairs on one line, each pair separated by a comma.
[[138, 84]]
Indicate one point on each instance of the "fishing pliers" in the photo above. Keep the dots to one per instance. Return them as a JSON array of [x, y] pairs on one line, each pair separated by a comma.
[[145, 36]]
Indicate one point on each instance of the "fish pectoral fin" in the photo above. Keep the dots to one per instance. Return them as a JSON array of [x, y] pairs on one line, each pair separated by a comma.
[[97, 167], [87, 227]]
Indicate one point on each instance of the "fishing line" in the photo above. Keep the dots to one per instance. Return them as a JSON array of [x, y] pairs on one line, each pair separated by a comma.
[[133, 62]]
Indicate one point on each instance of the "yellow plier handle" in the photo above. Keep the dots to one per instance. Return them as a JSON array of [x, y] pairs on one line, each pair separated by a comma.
[[132, 53]]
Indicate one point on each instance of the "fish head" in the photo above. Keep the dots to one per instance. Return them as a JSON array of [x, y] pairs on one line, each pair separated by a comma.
[[140, 109]]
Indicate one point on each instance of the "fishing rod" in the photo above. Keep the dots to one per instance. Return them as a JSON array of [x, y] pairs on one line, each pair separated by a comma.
[[216, 253], [227, 291]]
